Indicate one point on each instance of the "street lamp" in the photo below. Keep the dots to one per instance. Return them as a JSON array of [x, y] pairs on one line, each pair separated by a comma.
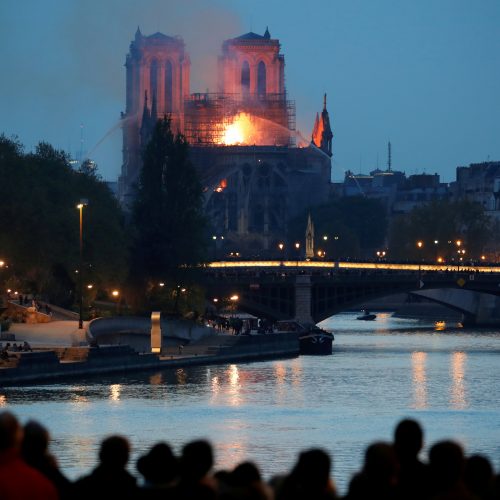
[[420, 244], [297, 250], [461, 253], [116, 295], [83, 203], [281, 246]]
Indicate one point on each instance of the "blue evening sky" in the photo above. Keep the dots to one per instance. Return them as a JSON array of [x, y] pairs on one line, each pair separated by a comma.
[[423, 73]]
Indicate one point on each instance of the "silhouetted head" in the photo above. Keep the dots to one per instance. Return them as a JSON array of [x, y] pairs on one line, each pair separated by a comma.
[[197, 459], [446, 460], [159, 465], [11, 432], [114, 452], [408, 439], [35, 442], [245, 474], [381, 464], [478, 475], [313, 468]]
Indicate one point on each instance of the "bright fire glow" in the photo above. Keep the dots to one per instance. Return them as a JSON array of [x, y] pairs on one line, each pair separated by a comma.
[[239, 131]]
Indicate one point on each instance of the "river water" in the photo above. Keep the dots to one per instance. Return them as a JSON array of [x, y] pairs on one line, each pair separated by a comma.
[[267, 412]]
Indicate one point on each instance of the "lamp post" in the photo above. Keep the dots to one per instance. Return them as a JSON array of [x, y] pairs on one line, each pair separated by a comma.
[[281, 246], [458, 243], [297, 250], [116, 295], [420, 244], [83, 203]]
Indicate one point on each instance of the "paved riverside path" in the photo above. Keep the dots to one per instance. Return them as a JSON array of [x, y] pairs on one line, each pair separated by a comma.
[[52, 334]]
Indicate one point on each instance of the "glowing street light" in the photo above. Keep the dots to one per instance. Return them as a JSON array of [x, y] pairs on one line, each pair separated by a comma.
[[420, 244], [83, 203]]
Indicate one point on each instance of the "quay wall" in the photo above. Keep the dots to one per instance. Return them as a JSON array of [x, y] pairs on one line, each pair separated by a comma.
[[66, 363]]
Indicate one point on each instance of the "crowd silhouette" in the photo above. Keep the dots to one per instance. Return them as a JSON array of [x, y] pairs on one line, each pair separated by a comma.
[[391, 470]]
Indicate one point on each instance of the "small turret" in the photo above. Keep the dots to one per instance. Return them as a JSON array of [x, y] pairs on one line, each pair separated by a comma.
[[267, 35], [309, 238], [322, 133]]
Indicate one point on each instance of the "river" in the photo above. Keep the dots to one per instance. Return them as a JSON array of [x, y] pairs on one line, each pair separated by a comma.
[[267, 412]]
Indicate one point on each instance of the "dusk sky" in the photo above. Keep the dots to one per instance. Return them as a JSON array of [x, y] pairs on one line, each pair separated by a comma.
[[424, 74]]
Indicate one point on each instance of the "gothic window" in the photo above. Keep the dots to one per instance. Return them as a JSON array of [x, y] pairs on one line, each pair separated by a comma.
[[153, 78], [168, 87], [245, 78], [261, 79]]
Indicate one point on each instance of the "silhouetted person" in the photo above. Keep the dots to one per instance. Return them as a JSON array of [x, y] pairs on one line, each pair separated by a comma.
[[244, 482], [378, 478], [478, 477], [413, 480], [160, 470], [447, 462], [196, 462], [109, 479], [309, 479], [35, 452], [18, 480]]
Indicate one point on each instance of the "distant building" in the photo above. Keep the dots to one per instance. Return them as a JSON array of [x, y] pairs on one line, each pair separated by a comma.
[[480, 182], [399, 194]]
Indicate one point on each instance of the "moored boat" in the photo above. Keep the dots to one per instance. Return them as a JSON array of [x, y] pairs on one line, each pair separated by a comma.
[[366, 316], [312, 339]]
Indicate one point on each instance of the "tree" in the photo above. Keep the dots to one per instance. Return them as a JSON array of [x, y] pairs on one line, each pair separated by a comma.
[[168, 211], [444, 222], [39, 230]]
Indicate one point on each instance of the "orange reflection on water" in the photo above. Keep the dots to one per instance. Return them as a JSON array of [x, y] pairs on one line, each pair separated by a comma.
[[181, 376], [3, 400], [418, 360], [458, 399], [79, 398], [156, 379], [297, 371], [114, 392], [234, 385], [231, 453], [280, 372]]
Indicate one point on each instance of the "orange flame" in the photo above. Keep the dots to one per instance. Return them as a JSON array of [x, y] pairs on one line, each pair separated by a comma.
[[240, 131]]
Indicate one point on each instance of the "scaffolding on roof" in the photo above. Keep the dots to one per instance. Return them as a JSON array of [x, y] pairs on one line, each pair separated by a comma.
[[207, 116]]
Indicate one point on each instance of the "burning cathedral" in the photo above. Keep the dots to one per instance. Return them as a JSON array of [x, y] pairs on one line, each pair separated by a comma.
[[256, 169]]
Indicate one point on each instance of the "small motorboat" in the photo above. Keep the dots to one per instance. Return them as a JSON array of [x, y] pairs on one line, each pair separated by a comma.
[[366, 316]]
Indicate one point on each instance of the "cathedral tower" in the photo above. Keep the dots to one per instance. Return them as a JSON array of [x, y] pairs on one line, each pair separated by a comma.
[[251, 65], [157, 72]]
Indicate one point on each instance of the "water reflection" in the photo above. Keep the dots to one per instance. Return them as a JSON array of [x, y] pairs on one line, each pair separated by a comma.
[[3, 400], [181, 376], [114, 392], [156, 379], [280, 376], [234, 385], [458, 399], [77, 395], [418, 360]]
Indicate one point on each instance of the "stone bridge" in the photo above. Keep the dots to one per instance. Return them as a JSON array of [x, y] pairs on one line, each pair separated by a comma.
[[315, 295]]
